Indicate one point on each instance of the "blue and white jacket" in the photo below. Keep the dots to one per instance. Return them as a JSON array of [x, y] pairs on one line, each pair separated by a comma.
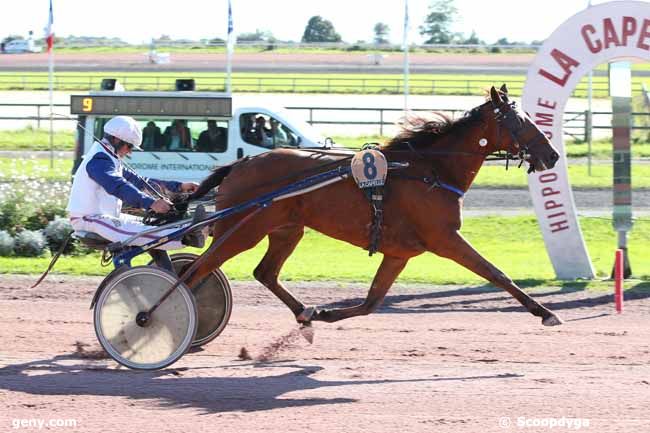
[[102, 183]]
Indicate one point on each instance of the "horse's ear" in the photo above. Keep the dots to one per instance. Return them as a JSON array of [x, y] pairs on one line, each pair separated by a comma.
[[494, 95], [504, 89]]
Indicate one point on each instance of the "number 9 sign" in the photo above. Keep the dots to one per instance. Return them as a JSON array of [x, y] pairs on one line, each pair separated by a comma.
[[87, 105]]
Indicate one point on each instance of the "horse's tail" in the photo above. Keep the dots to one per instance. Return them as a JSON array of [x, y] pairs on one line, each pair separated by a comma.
[[212, 181]]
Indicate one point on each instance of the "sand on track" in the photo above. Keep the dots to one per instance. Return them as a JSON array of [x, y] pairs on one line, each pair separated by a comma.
[[443, 359]]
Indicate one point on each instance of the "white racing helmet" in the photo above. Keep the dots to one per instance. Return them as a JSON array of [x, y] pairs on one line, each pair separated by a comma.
[[126, 129]]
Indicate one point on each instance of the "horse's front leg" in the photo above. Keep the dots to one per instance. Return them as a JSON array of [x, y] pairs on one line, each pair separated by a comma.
[[388, 271], [458, 249]]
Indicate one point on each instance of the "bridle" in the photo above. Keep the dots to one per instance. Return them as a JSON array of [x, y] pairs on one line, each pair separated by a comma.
[[506, 116]]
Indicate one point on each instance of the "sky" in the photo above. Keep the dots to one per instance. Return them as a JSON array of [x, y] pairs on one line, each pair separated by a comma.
[[137, 21]]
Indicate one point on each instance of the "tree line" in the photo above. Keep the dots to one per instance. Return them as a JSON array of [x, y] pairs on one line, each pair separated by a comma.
[[435, 29]]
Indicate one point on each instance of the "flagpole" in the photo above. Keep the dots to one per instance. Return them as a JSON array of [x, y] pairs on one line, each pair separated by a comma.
[[589, 120], [51, 73], [405, 47], [50, 58], [228, 70], [229, 50]]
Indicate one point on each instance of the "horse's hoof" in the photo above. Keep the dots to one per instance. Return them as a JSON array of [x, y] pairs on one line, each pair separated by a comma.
[[552, 320], [306, 316]]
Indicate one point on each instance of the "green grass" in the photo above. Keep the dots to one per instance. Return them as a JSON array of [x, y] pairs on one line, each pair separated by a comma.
[[518, 250], [603, 149], [267, 82], [39, 139], [36, 139], [17, 170], [600, 149], [601, 176], [436, 84]]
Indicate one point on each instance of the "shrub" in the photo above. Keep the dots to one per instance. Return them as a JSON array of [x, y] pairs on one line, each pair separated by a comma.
[[6, 244], [56, 233], [14, 212], [42, 215], [29, 243]]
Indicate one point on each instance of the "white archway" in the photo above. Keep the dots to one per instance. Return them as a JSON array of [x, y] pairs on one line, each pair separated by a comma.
[[607, 32]]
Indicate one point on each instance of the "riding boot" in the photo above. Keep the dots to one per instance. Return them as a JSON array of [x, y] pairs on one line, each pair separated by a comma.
[[161, 259]]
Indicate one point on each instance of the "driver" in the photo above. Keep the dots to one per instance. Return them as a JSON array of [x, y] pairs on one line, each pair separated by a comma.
[[102, 183]]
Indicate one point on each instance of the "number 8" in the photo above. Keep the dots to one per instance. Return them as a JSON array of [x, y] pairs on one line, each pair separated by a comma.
[[369, 169]]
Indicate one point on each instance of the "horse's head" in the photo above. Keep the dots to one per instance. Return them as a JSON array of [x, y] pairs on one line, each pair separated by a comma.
[[518, 135]]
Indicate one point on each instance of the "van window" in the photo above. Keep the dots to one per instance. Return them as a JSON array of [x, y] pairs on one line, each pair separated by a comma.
[[263, 130], [179, 135]]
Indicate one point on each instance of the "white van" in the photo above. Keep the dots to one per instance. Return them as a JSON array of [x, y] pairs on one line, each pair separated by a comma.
[[21, 46], [186, 134]]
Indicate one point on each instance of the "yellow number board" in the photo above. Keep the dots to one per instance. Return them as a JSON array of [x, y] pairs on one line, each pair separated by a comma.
[[139, 105]]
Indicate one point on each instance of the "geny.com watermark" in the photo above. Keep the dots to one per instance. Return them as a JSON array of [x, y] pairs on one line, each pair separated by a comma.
[[523, 422], [41, 423]]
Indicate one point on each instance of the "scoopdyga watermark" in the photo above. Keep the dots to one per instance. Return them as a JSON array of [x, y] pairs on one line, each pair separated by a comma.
[[42, 423], [564, 423]]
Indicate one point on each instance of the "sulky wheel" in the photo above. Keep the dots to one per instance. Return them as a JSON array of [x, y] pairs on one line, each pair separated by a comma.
[[152, 343], [213, 300]]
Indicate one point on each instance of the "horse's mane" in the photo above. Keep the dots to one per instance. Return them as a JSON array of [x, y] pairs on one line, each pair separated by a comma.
[[420, 131]]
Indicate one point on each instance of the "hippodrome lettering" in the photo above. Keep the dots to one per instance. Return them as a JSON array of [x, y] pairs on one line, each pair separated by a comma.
[[557, 218]]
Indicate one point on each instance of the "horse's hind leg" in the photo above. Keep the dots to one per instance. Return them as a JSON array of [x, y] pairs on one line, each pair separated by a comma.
[[388, 271], [458, 249], [282, 243], [245, 238]]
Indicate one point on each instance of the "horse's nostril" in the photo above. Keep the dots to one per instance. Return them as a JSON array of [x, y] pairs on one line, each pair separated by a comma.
[[555, 156]]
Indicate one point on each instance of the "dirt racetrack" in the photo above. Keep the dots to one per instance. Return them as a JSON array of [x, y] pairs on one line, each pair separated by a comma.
[[449, 359], [272, 61]]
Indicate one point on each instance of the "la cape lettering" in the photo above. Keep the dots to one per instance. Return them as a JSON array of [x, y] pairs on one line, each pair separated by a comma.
[[618, 32]]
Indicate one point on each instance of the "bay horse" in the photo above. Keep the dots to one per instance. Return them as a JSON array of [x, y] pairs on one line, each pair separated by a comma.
[[422, 208]]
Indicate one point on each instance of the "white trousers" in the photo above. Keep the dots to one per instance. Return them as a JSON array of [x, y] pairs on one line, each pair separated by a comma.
[[122, 228]]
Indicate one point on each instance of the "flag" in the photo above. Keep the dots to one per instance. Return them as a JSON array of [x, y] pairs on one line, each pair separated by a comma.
[[49, 31], [406, 25], [230, 26], [229, 18], [230, 47]]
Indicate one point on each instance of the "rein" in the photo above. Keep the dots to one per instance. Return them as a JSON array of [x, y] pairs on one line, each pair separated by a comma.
[[308, 171]]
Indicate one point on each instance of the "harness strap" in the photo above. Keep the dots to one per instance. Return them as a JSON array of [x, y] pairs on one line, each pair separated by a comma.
[[376, 197], [451, 188], [433, 182]]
